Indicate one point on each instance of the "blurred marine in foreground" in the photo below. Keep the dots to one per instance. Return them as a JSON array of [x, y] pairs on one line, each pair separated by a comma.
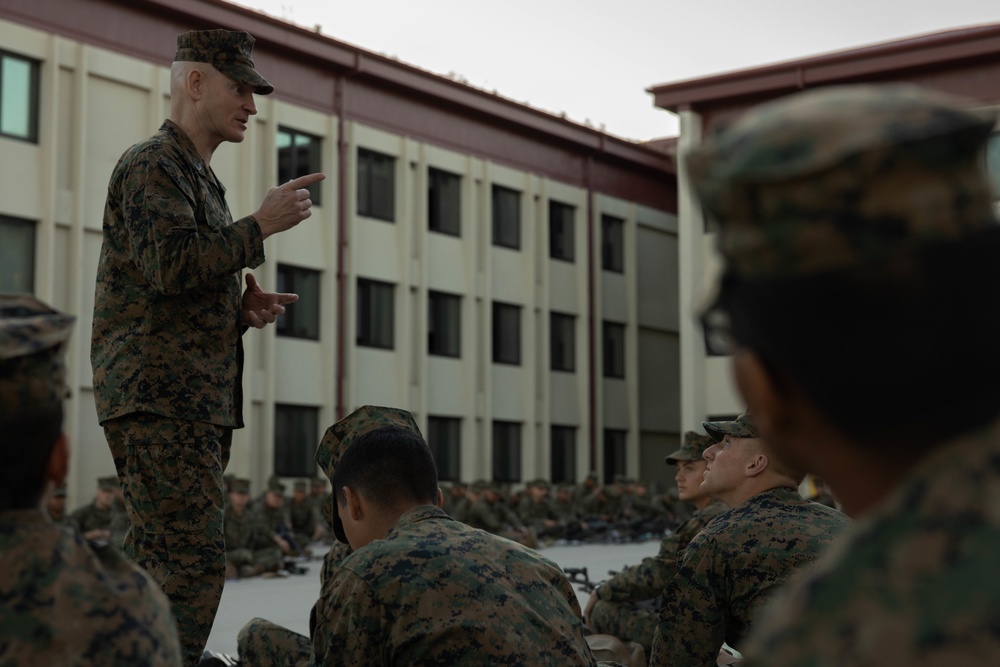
[[860, 249]]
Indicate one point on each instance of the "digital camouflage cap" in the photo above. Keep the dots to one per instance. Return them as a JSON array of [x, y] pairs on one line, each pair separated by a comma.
[[741, 427], [33, 339], [339, 437], [692, 448], [226, 50], [840, 177]]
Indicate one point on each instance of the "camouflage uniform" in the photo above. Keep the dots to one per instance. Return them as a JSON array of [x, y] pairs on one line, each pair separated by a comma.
[[250, 547], [892, 173], [302, 517], [616, 612], [63, 601], [166, 348], [433, 591], [732, 567]]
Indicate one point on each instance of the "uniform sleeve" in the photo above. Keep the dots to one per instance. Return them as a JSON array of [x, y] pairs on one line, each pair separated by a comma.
[[691, 629], [647, 579], [181, 239], [348, 624]]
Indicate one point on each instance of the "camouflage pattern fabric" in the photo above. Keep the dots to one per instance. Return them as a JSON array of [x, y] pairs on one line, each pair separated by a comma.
[[436, 592], [249, 543], [914, 582], [91, 517], [226, 50], [535, 514], [262, 643], [615, 612], [63, 603], [171, 473], [167, 331], [732, 568], [802, 185], [302, 520]]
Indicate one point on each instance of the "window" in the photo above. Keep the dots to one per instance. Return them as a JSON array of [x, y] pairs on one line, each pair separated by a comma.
[[301, 319], [18, 97], [17, 255], [562, 334], [296, 431], [506, 217], [375, 313], [506, 451], [614, 350], [444, 324], [444, 436], [993, 167], [561, 231], [506, 333], [612, 244], [614, 453], [298, 155], [563, 454], [444, 202], [376, 185]]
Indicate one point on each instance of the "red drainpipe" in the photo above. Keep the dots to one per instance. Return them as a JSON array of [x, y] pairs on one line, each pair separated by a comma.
[[592, 351], [341, 343]]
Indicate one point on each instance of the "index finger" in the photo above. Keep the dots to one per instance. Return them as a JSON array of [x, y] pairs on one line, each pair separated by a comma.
[[305, 181]]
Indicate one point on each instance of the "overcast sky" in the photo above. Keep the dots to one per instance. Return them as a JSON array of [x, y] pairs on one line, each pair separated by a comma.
[[594, 59]]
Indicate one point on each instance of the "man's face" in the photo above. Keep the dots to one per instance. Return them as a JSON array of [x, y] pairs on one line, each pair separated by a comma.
[[690, 475], [727, 462], [274, 499], [299, 495], [537, 493], [238, 500], [228, 106], [103, 498]]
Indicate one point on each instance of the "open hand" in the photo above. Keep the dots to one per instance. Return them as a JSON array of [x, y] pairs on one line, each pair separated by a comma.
[[260, 308]]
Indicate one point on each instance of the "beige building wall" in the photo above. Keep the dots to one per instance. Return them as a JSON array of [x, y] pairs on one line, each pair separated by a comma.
[[95, 103]]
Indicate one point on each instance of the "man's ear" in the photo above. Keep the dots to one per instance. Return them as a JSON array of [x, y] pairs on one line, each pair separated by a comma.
[[58, 466], [355, 506], [195, 83], [440, 499], [757, 464]]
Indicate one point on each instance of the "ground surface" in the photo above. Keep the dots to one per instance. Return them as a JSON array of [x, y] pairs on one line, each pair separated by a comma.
[[287, 601]]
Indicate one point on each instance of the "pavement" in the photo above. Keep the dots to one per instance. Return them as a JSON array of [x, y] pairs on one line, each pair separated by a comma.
[[288, 600]]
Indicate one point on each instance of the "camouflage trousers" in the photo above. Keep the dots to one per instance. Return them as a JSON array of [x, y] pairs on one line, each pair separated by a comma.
[[171, 476], [264, 644], [625, 621]]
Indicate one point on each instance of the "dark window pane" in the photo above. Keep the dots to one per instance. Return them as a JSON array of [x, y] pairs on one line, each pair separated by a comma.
[[506, 217], [444, 436], [299, 154], [376, 185], [375, 313], [296, 433], [993, 163], [612, 244], [614, 454], [17, 255], [562, 332], [563, 454], [301, 319], [506, 451], [444, 324], [506, 333], [561, 232], [444, 202], [614, 350]]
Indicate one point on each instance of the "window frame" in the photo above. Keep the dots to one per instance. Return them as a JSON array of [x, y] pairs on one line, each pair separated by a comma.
[[287, 466], [366, 195], [500, 354], [437, 196], [562, 231], [289, 279], [506, 233], [615, 455], [612, 243], [508, 452], [613, 355], [567, 321], [11, 255], [563, 438], [313, 159], [448, 463], [366, 334], [33, 96], [436, 344]]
